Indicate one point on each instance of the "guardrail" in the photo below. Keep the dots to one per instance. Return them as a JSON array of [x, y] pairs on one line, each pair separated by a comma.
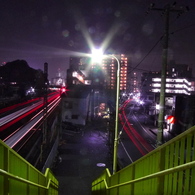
[[17, 176], [169, 169]]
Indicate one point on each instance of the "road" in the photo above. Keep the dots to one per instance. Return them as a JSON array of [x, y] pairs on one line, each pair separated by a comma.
[[16, 137], [29, 107], [137, 134], [33, 114]]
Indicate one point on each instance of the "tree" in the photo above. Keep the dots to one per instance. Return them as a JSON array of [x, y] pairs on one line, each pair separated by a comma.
[[19, 75]]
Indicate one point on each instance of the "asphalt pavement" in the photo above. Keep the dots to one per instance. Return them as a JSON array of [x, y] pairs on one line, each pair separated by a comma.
[[83, 155], [148, 123], [127, 151]]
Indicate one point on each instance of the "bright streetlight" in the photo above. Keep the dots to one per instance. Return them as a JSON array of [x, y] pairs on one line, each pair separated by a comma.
[[98, 56]]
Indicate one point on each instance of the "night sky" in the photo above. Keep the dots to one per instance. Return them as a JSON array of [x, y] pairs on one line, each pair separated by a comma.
[[51, 31]]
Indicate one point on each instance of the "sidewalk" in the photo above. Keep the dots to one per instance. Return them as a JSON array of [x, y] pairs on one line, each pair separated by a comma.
[[148, 123], [84, 155]]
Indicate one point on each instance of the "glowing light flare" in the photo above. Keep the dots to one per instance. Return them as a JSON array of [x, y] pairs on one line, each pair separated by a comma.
[[111, 34], [157, 107], [86, 33], [141, 102], [63, 89], [170, 119], [97, 55]]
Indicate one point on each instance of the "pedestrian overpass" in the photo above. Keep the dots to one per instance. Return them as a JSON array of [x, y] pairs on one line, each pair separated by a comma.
[[169, 169], [18, 177]]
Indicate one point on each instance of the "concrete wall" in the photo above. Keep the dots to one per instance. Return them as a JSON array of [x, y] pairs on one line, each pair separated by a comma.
[[75, 110]]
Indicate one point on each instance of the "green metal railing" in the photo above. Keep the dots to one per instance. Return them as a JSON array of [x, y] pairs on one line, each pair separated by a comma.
[[169, 169], [18, 177]]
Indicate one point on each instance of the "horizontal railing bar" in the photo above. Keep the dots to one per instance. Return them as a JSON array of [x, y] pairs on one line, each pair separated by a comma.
[[2, 172], [162, 147], [19, 157], [160, 173]]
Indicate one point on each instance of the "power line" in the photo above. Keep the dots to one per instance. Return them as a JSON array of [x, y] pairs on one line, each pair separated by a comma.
[[182, 28], [156, 45], [147, 54]]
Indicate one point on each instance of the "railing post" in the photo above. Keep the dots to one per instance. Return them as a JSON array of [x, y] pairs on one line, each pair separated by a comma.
[[6, 168], [133, 177], [160, 183]]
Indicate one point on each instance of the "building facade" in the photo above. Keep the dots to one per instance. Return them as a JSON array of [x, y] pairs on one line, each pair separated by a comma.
[[110, 67], [81, 71], [179, 98]]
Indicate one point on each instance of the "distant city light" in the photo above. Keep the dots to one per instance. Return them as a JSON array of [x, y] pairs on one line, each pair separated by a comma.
[[30, 91], [63, 90], [170, 119], [141, 102]]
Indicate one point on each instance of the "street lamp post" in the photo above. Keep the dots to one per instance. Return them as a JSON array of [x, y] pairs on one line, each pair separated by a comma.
[[115, 151], [97, 55]]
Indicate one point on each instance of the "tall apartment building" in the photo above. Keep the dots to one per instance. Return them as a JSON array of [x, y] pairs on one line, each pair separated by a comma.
[[133, 84], [110, 66], [123, 73]]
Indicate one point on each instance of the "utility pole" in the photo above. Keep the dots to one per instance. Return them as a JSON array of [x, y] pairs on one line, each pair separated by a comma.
[[45, 103], [44, 111], [166, 11]]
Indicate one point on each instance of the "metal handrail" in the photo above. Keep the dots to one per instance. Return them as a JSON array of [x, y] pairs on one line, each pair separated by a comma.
[[2, 172], [160, 173], [14, 169], [161, 170]]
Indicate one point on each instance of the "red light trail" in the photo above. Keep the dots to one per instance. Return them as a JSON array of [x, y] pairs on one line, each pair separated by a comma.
[[27, 113], [136, 138]]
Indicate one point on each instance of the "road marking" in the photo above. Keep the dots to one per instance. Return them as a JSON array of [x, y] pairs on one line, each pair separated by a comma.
[[143, 127], [126, 151], [101, 164]]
